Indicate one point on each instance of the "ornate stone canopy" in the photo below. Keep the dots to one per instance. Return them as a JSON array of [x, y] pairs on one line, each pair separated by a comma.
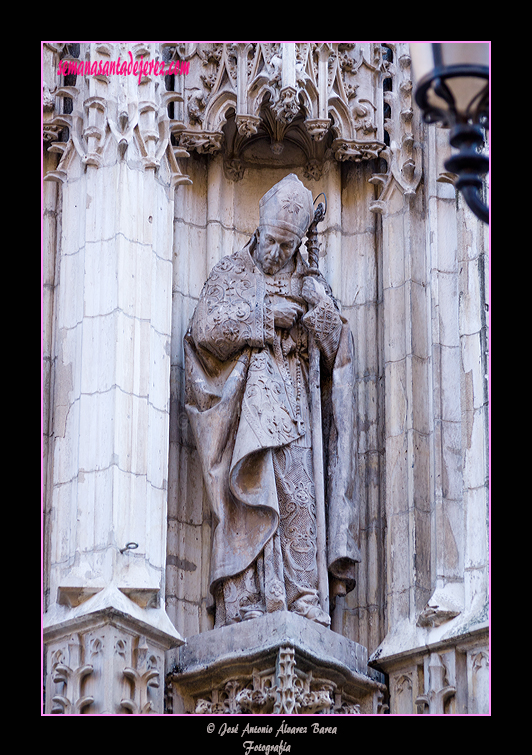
[[321, 97], [270, 103]]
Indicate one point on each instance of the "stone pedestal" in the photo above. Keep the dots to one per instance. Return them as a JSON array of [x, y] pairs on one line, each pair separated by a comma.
[[279, 663], [439, 669], [107, 658]]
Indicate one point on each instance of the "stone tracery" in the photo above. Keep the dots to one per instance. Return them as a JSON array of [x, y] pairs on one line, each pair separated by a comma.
[[250, 106]]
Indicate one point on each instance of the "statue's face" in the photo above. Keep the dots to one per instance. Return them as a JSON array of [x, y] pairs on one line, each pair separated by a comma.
[[275, 248]]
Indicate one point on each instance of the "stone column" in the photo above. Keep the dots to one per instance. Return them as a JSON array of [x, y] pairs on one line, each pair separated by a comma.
[[106, 627], [405, 352], [436, 425]]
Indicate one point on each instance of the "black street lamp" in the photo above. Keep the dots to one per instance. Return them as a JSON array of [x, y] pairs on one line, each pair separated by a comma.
[[452, 88]]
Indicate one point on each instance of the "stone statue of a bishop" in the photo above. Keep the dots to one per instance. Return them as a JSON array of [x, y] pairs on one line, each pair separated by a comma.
[[247, 399]]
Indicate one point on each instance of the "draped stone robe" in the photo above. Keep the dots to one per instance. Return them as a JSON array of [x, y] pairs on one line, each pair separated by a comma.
[[248, 405]]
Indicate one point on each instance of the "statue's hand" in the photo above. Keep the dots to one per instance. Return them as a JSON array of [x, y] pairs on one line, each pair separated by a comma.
[[313, 291], [286, 313]]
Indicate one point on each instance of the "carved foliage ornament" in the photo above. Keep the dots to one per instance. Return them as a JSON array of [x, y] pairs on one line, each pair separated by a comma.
[[277, 89], [284, 689], [132, 669], [343, 100]]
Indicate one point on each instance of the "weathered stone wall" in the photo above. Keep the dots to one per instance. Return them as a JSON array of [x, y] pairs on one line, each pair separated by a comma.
[[129, 240]]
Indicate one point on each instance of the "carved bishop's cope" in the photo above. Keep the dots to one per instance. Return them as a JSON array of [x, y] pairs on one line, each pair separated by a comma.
[[248, 404]]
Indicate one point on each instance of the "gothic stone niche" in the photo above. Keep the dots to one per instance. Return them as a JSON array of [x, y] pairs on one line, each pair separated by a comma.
[[283, 663]]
